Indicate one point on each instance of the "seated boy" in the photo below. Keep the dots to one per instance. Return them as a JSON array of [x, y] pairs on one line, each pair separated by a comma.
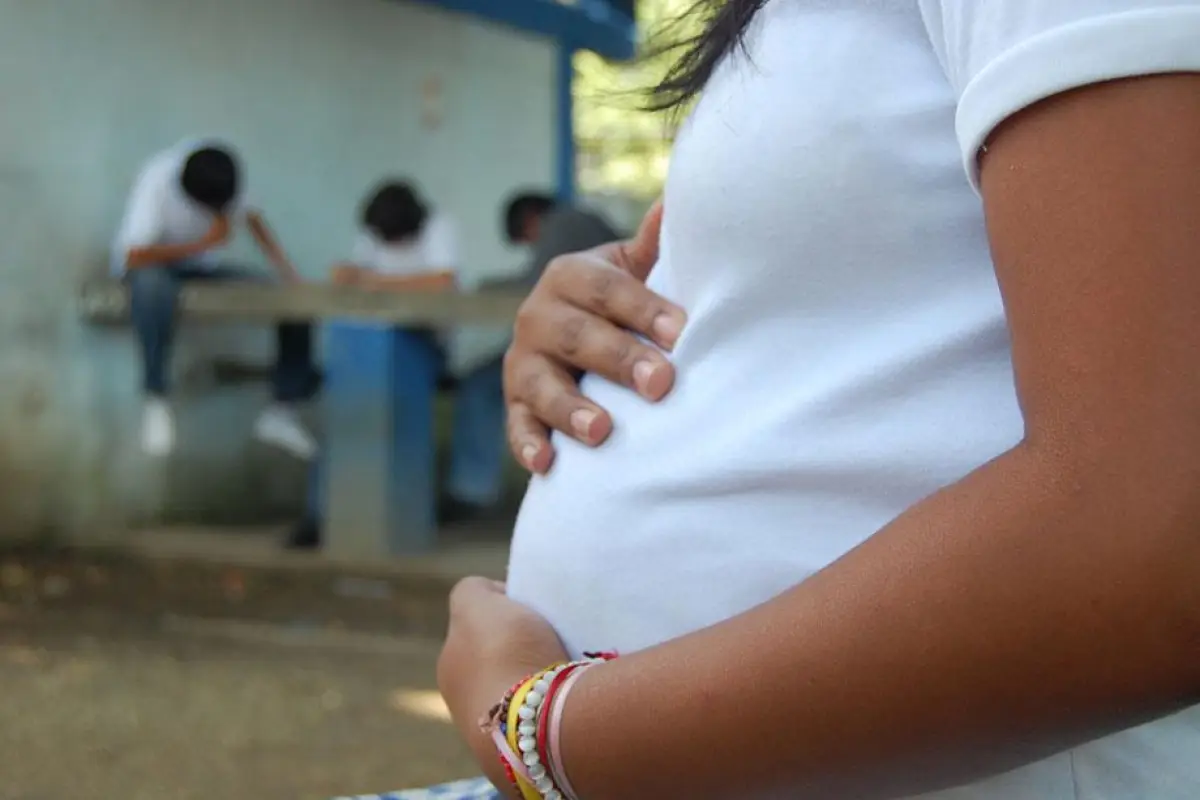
[[402, 245], [184, 206]]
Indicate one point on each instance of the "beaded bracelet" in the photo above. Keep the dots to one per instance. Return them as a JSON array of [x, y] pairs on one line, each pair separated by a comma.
[[532, 734], [510, 720], [525, 727], [496, 725]]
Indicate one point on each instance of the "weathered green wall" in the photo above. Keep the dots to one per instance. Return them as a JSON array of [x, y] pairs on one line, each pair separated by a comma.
[[322, 97]]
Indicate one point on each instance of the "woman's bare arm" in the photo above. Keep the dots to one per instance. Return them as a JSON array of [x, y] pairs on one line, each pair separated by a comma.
[[1051, 596]]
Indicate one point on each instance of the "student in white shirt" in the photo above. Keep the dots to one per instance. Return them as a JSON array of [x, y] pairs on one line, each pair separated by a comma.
[[402, 244], [185, 204], [406, 246], [918, 516]]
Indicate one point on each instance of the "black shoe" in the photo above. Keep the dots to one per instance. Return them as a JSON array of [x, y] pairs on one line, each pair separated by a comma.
[[306, 535]]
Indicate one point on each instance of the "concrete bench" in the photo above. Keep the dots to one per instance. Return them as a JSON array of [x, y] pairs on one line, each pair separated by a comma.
[[106, 302], [378, 462]]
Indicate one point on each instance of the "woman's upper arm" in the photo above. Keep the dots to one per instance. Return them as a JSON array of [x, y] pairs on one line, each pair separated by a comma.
[[1079, 124], [1092, 200]]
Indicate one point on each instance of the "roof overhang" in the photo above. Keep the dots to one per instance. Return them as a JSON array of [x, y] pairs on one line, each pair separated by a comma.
[[584, 24]]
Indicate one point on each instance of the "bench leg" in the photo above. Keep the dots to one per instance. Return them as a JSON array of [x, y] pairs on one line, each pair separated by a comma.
[[379, 452]]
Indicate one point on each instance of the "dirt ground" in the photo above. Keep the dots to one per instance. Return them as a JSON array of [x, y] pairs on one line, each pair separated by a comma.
[[98, 703]]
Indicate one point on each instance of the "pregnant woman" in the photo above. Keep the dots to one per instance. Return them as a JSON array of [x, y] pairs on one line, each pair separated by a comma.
[[919, 515]]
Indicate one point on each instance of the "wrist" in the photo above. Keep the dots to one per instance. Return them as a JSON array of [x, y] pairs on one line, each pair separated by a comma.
[[476, 728], [524, 729], [484, 750]]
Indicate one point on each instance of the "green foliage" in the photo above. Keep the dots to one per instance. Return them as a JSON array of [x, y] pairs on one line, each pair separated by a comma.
[[622, 147]]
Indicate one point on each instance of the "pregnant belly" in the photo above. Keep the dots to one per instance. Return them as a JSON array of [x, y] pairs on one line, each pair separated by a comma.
[[696, 510], [639, 542]]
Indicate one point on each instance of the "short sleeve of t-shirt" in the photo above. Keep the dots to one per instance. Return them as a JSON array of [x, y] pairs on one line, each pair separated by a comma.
[[365, 252], [1004, 55], [439, 245], [142, 225]]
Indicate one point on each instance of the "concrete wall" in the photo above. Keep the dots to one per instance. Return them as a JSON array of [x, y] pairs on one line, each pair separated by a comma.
[[323, 97]]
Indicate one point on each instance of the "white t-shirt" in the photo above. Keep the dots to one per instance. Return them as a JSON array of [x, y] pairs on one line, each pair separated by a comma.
[[434, 249], [158, 211], [846, 353]]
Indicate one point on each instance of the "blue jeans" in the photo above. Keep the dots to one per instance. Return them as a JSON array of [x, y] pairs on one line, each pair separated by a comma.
[[477, 438], [154, 297]]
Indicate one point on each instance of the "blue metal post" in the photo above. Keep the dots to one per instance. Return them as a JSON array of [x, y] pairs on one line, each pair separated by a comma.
[[378, 459], [412, 473], [590, 24], [564, 84]]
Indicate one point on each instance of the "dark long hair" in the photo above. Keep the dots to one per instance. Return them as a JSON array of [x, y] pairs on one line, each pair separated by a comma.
[[724, 25]]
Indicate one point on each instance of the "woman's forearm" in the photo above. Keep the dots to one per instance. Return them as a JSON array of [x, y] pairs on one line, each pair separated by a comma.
[[1026, 608]]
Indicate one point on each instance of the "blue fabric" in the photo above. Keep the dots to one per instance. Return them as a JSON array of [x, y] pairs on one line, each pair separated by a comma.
[[477, 440], [154, 298], [475, 789]]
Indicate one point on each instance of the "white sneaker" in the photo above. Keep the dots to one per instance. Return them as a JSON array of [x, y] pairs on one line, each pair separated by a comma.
[[158, 428], [278, 425]]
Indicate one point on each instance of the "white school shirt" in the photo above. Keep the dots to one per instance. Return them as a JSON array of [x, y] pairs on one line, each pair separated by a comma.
[[846, 352], [434, 249], [158, 212]]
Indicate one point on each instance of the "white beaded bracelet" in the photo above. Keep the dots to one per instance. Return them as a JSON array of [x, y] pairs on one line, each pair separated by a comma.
[[541, 705]]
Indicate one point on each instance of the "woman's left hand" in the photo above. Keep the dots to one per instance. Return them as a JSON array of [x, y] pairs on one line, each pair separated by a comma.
[[493, 643]]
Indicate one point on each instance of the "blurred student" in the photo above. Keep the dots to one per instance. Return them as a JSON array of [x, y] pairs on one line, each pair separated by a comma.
[[402, 244], [550, 228], [185, 204]]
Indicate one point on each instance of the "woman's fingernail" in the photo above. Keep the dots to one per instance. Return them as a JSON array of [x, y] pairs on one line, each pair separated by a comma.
[[581, 422], [643, 373], [528, 454], [666, 328]]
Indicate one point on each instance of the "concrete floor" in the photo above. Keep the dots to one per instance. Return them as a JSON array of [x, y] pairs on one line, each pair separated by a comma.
[[177, 676], [462, 551], [96, 710]]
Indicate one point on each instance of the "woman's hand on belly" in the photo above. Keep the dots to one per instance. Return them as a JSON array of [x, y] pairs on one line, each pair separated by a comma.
[[493, 643], [585, 315]]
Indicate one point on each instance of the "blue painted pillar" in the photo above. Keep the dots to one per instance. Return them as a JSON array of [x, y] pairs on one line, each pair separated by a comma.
[[378, 468], [565, 122]]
